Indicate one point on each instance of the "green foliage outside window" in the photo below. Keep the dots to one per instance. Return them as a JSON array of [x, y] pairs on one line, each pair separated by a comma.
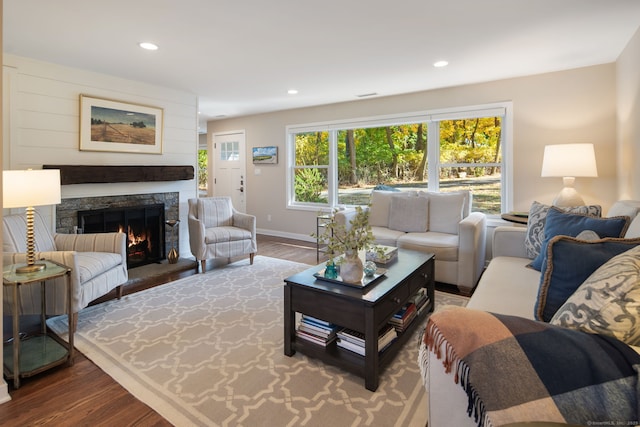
[[309, 186], [202, 170], [397, 156], [312, 148], [471, 141]]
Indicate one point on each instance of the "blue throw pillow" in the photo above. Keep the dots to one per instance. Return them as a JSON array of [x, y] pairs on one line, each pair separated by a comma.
[[568, 264], [569, 224]]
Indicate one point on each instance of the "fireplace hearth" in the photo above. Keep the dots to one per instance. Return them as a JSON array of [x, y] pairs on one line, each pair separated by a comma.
[[144, 226]]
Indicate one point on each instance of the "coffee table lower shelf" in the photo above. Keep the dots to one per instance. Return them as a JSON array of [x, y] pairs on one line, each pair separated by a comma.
[[353, 362]]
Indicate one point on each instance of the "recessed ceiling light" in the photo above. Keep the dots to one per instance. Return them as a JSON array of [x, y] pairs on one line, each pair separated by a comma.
[[148, 46], [440, 64], [292, 91], [365, 95]]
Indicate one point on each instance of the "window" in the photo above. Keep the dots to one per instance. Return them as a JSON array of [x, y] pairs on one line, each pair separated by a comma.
[[311, 167], [203, 171], [229, 150], [340, 163], [203, 165]]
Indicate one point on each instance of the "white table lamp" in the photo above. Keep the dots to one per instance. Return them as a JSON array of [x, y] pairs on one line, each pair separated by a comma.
[[26, 189], [569, 161]]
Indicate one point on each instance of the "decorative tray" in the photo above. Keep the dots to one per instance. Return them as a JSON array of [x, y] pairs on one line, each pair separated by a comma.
[[366, 280]]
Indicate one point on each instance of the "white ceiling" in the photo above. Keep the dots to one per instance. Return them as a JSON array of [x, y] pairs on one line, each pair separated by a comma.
[[241, 56]]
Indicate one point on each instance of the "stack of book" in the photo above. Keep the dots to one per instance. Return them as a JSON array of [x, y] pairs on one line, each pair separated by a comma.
[[420, 299], [354, 341], [316, 330], [404, 317], [416, 305]]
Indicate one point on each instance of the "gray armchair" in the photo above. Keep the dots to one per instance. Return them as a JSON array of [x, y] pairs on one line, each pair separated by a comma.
[[217, 230], [98, 263]]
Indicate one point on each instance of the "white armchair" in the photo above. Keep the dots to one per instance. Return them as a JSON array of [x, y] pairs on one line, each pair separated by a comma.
[[98, 262], [218, 230]]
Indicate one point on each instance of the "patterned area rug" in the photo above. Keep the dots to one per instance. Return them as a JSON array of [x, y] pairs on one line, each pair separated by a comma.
[[208, 350]]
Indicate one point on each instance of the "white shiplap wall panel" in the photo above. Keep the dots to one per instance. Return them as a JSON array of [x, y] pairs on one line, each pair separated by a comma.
[[50, 121], [95, 84], [60, 140], [42, 116], [38, 102]]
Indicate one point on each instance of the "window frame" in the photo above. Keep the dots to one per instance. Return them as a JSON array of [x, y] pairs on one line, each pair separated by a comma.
[[432, 118]]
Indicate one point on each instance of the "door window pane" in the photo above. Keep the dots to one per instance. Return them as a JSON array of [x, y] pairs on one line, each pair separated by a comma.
[[230, 151]]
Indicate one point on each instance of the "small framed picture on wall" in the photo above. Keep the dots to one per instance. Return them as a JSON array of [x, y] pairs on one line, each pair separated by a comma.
[[265, 155]]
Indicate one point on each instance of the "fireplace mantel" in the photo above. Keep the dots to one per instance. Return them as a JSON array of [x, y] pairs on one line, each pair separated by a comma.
[[94, 174]]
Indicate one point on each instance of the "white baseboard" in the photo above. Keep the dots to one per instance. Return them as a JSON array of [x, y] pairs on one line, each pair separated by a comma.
[[276, 233], [4, 391]]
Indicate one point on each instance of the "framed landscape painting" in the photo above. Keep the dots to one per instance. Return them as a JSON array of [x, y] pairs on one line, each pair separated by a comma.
[[267, 155], [108, 125]]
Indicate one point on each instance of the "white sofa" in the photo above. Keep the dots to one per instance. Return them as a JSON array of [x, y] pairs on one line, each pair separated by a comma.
[[508, 287], [438, 223]]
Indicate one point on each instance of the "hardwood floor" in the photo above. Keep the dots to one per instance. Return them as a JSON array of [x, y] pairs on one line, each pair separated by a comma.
[[83, 395]]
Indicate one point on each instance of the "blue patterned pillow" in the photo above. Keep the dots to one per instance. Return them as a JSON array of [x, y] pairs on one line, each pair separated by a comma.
[[608, 302], [535, 223], [569, 224], [568, 264]]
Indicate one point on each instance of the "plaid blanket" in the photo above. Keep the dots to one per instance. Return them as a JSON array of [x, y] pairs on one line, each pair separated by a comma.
[[517, 370]]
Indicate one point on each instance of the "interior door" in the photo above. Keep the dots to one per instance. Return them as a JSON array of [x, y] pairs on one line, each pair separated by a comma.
[[229, 175]]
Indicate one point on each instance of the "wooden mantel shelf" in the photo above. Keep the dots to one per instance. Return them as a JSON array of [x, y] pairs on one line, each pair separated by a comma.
[[93, 174]]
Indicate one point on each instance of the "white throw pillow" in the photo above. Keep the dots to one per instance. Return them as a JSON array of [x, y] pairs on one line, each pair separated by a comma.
[[608, 302], [445, 212], [409, 214], [634, 228], [624, 208]]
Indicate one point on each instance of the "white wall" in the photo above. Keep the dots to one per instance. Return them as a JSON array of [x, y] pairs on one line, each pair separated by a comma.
[[628, 86], [4, 388], [570, 106], [42, 124]]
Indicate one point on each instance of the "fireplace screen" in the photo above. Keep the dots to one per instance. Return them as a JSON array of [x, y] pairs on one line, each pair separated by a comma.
[[143, 225]]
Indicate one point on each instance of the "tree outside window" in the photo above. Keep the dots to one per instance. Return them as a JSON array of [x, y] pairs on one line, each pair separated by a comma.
[[203, 175], [468, 155]]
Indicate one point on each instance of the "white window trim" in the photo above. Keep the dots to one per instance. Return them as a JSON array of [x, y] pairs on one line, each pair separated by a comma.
[[502, 109]]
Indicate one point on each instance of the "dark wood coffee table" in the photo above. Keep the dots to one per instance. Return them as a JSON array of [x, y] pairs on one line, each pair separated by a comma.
[[365, 310]]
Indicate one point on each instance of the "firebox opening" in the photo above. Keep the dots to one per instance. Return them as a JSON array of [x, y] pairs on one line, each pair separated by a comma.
[[143, 225]]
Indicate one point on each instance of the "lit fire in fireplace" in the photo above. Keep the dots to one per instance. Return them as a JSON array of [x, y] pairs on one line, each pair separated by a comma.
[[139, 245]]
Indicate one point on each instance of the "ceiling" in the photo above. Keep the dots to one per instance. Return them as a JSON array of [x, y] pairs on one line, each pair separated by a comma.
[[242, 56]]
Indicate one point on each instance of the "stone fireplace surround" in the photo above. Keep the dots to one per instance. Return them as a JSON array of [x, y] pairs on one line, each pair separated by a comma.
[[67, 210]]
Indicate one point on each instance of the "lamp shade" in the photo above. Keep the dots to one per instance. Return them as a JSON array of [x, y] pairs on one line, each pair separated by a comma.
[[23, 188], [569, 160]]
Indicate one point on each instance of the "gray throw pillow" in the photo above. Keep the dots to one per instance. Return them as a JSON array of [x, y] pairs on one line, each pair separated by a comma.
[[409, 214], [535, 225]]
